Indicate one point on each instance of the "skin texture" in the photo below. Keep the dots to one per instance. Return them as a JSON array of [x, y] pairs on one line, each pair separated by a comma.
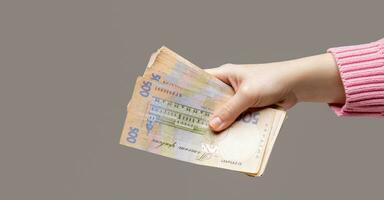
[[309, 79]]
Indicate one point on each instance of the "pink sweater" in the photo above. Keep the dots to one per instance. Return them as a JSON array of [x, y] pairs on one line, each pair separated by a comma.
[[361, 69]]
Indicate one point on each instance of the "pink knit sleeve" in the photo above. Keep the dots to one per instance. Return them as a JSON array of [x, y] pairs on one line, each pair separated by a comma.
[[361, 69]]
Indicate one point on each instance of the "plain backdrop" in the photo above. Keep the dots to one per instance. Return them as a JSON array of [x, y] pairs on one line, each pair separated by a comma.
[[67, 70]]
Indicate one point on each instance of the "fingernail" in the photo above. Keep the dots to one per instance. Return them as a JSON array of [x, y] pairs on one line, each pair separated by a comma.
[[215, 122]]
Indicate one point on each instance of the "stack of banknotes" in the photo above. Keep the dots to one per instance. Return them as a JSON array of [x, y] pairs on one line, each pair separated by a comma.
[[169, 111]]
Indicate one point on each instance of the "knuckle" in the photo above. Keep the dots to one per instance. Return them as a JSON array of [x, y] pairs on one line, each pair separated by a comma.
[[249, 93], [227, 65]]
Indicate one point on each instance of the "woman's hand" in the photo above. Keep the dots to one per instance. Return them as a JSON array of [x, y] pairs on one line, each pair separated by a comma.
[[314, 78]]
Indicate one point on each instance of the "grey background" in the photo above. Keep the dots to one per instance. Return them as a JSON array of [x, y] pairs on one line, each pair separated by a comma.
[[67, 70]]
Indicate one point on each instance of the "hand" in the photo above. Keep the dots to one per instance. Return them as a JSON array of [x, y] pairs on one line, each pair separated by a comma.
[[314, 78]]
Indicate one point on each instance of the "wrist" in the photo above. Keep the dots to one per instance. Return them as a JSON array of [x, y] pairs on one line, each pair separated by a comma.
[[317, 79]]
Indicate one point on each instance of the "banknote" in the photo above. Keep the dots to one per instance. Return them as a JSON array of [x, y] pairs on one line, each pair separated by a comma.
[[170, 63], [177, 73], [169, 111], [278, 122], [185, 80], [174, 117]]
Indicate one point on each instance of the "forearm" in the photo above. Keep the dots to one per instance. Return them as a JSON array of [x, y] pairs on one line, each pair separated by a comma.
[[349, 78]]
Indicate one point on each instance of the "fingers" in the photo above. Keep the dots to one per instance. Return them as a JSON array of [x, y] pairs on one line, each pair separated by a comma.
[[227, 114], [223, 72], [214, 71]]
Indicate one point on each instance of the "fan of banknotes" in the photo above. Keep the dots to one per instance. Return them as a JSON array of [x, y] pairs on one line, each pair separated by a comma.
[[169, 111]]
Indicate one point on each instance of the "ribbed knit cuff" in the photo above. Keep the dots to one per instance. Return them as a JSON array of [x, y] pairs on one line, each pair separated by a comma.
[[361, 69]]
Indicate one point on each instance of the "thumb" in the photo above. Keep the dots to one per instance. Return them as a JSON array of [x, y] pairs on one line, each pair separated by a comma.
[[227, 114]]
